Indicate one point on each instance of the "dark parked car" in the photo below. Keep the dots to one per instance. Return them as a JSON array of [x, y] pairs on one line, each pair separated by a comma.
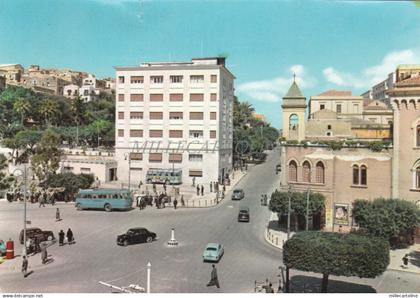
[[37, 233], [136, 235], [238, 194], [243, 214]]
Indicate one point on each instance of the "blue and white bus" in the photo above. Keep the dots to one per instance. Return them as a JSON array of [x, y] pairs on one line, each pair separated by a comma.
[[104, 198]]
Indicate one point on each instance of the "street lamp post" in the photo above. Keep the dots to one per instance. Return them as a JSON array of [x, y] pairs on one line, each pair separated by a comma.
[[24, 174], [128, 156]]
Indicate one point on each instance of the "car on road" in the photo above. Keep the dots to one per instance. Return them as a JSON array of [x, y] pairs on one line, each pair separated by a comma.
[[213, 252], [243, 215], [136, 235], [37, 234], [238, 194]]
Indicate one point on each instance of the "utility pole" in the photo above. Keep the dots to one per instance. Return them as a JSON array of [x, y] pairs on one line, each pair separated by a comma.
[[24, 209], [289, 210], [24, 174], [148, 277], [307, 208]]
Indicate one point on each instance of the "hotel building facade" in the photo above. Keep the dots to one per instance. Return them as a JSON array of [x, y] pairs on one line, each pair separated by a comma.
[[174, 115]]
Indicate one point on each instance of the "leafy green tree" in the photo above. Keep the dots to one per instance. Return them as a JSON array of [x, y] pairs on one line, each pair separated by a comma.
[[48, 109], [77, 109], [391, 219], [22, 106], [12, 143], [5, 180], [71, 182], [336, 254], [99, 128], [46, 159], [26, 140], [279, 203]]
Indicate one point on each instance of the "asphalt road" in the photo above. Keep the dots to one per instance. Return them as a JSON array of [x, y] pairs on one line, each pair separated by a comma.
[[96, 257]]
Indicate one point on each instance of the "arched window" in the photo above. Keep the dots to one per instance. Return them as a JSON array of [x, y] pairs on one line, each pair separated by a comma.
[[418, 135], [306, 172], [293, 122], [418, 177], [292, 171], [355, 174], [363, 175], [320, 172]]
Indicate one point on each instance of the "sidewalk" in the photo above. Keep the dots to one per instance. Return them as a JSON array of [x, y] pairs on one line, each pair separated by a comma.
[[276, 237], [188, 191], [396, 262]]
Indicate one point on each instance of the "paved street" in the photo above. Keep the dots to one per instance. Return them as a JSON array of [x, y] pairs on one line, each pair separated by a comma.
[[96, 257]]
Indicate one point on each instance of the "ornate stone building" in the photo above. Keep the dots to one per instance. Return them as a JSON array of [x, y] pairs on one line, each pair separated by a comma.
[[356, 171]]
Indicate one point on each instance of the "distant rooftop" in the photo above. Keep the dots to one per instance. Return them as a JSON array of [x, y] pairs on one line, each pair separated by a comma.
[[194, 61], [413, 81], [336, 93], [294, 91]]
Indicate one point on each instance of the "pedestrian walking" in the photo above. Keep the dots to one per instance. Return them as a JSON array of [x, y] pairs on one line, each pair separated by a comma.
[[211, 186], [224, 187], [202, 190], [154, 187], [70, 238], [269, 288], [405, 261], [61, 238], [57, 215], [214, 281], [164, 187], [175, 203], [198, 190], [44, 254], [24, 266], [182, 201], [140, 184], [193, 181]]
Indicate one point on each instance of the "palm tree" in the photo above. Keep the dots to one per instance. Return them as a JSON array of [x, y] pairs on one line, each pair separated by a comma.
[[77, 108], [48, 109], [22, 106]]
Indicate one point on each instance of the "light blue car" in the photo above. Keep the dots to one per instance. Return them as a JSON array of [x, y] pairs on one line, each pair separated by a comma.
[[213, 252], [2, 248]]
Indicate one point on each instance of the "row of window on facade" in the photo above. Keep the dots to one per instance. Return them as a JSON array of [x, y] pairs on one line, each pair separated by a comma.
[[156, 133], [175, 79], [172, 97], [172, 115], [172, 157], [359, 173], [306, 172], [338, 108]]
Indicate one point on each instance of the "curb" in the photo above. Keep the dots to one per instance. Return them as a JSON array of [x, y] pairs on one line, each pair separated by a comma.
[[267, 239], [403, 270], [218, 203]]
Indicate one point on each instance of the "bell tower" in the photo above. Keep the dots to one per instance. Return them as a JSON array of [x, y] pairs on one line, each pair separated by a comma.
[[294, 107]]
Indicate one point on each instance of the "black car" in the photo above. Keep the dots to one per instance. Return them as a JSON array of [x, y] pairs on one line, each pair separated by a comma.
[[243, 214], [136, 235], [36, 234]]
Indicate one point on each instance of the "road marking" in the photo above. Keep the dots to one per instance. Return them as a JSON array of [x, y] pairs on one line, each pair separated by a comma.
[[230, 206]]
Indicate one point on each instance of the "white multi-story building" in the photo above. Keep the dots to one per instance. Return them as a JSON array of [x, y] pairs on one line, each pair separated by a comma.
[[174, 115]]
